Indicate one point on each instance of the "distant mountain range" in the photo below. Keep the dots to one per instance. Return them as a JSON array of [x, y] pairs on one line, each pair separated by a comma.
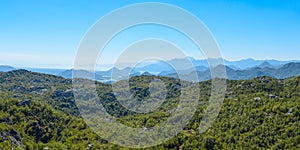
[[52, 71], [236, 70], [249, 63], [6, 68], [237, 65], [80, 74], [103, 76], [285, 71]]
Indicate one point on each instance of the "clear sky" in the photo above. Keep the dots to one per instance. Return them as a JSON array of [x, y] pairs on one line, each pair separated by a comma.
[[35, 33]]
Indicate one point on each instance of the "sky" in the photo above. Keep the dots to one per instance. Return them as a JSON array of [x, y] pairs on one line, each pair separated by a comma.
[[47, 33]]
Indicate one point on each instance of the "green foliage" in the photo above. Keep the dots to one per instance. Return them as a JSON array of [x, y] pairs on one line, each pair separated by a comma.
[[38, 110]]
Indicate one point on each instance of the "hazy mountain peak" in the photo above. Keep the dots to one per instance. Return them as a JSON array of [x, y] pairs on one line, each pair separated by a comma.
[[265, 64]]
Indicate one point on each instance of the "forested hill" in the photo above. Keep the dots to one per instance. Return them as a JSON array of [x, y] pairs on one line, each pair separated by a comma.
[[38, 111]]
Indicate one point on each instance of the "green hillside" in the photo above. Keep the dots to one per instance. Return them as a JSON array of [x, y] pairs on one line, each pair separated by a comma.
[[38, 111]]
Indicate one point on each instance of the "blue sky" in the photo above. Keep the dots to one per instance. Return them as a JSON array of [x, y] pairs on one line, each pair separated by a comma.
[[46, 33]]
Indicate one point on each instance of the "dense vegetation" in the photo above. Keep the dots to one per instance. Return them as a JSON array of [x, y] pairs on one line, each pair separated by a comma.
[[38, 111]]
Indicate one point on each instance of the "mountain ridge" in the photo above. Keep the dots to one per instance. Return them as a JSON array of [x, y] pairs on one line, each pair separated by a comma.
[[41, 113], [285, 71], [237, 70]]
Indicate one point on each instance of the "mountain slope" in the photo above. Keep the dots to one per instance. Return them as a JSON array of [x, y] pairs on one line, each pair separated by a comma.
[[288, 70], [265, 65], [37, 111]]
